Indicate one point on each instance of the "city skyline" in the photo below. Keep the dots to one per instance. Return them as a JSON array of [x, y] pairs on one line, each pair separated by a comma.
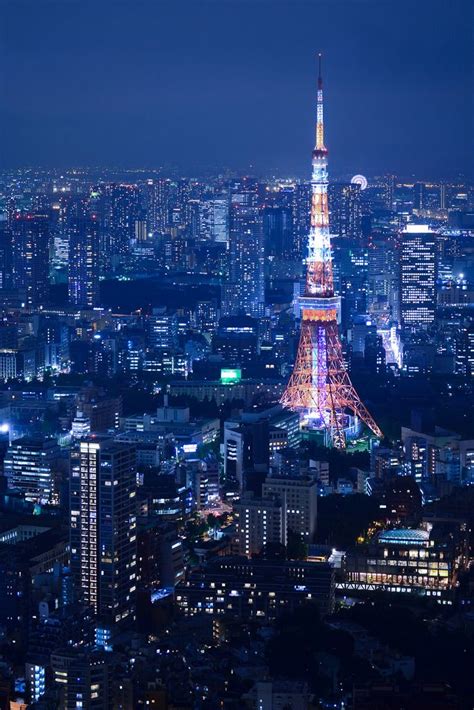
[[236, 411]]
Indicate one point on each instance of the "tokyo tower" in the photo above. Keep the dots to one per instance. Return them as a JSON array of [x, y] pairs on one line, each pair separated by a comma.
[[320, 387]]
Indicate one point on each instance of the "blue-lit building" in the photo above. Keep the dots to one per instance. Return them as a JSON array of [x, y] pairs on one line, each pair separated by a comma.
[[84, 261], [245, 292], [418, 276], [30, 466]]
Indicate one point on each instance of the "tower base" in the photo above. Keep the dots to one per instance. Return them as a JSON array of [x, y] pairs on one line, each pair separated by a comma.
[[314, 430]]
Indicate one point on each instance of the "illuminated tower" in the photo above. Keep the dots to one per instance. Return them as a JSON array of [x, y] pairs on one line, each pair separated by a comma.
[[320, 387]]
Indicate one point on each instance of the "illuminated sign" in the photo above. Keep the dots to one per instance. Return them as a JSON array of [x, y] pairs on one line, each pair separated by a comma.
[[230, 375], [189, 448]]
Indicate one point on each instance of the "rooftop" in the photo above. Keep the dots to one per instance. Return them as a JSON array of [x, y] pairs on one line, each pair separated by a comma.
[[404, 536]]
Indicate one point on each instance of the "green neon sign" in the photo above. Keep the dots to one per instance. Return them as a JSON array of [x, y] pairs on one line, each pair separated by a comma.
[[230, 375]]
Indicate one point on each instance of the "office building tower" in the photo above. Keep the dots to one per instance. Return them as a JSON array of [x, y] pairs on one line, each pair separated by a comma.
[[30, 467], [419, 196], [418, 274], [84, 261], [245, 292], [320, 388], [141, 228], [260, 523], [345, 210], [214, 220], [278, 232], [442, 196], [63, 208], [162, 329], [180, 197], [30, 246], [103, 534], [389, 191], [120, 209], [158, 197], [382, 278], [6, 275], [299, 498]]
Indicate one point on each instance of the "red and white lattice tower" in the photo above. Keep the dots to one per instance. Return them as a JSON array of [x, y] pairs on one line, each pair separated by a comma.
[[320, 387]]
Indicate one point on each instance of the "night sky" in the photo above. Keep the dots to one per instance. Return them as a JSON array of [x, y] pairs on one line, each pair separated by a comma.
[[231, 83]]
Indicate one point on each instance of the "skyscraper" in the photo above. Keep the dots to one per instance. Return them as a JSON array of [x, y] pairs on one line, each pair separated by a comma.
[[103, 526], [419, 196], [120, 211], [30, 243], [5, 254], [84, 261], [278, 229], [214, 220], [418, 274], [345, 210], [245, 292], [158, 197]]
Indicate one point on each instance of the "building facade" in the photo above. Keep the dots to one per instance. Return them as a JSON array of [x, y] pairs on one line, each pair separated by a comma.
[[103, 534]]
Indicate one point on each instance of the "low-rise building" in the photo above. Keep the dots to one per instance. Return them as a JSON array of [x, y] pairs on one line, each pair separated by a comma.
[[245, 588], [404, 559]]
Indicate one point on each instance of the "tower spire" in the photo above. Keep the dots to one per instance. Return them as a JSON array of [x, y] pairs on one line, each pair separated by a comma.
[[319, 109]]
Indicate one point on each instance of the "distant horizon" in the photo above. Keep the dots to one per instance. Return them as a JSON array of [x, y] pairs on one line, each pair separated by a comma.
[[209, 173]]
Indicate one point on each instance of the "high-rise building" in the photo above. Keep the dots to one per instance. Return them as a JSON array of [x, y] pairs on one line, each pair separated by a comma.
[[214, 220], [162, 329], [278, 230], [345, 210], [6, 281], [30, 467], [103, 534], [30, 245], [419, 196], [84, 261], [418, 274], [120, 210], [245, 292], [389, 191], [159, 196]]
